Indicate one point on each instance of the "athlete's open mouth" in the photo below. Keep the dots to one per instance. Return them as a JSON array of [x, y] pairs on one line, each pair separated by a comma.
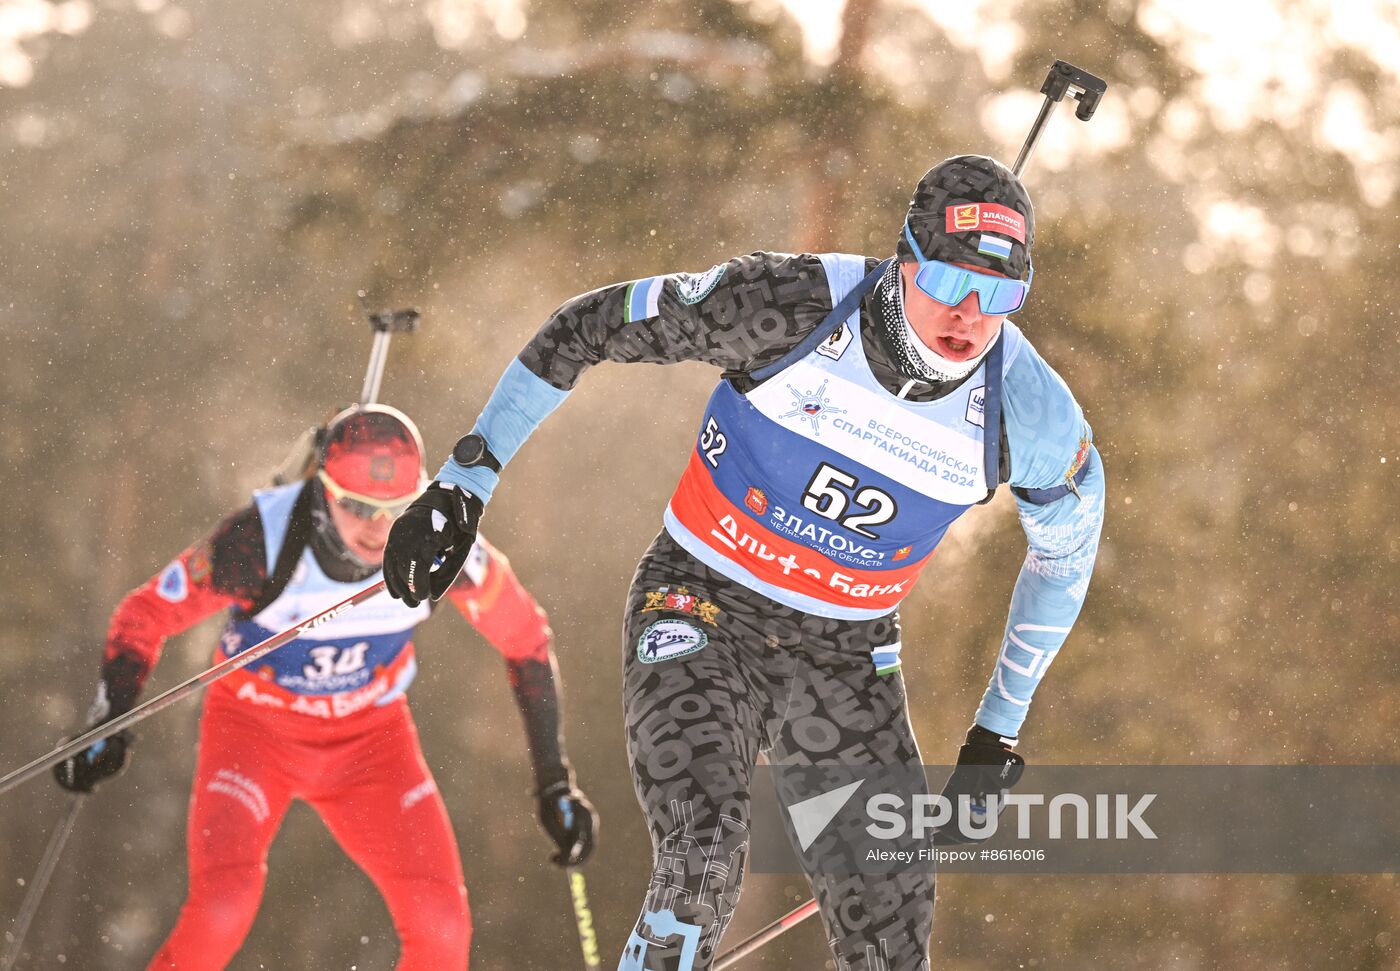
[[953, 348]]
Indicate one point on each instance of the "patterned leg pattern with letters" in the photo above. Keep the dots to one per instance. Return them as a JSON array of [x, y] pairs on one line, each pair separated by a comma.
[[714, 673]]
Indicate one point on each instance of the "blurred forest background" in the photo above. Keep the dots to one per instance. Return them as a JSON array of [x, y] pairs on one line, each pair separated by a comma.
[[192, 192]]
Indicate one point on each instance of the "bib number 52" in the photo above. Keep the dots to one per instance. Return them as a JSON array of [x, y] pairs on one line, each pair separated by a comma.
[[831, 492], [712, 442]]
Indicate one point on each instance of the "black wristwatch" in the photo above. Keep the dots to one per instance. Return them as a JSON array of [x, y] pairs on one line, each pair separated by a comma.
[[472, 451]]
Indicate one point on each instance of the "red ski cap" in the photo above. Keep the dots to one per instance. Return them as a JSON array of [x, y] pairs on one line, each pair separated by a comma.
[[374, 451]]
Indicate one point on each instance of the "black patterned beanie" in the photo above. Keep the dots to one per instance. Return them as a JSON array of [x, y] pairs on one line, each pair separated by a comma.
[[971, 209]]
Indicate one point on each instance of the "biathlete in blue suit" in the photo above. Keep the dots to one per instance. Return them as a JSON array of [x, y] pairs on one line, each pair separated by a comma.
[[864, 406]]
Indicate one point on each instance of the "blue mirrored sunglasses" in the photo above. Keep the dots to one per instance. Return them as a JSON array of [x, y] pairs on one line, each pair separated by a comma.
[[949, 284]]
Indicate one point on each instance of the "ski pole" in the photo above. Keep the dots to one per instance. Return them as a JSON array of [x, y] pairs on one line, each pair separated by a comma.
[[385, 324], [583, 917], [782, 925], [1064, 78], [181, 691], [47, 863]]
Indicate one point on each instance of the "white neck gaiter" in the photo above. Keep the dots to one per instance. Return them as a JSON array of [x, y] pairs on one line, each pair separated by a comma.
[[916, 358]]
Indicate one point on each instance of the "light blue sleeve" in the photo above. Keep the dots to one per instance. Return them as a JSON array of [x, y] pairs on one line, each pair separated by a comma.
[[515, 409], [1049, 439]]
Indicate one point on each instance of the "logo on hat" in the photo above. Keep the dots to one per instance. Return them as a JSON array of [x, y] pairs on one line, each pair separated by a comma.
[[964, 218], [986, 216], [381, 468]]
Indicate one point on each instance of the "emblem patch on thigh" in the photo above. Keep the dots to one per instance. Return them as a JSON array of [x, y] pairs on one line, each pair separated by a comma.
[[666, 639], [679, 600]]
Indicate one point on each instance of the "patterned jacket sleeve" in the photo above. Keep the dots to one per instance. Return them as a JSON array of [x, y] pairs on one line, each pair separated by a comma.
[[495, 602], [1049, 440], [226, 568], [737, 316]]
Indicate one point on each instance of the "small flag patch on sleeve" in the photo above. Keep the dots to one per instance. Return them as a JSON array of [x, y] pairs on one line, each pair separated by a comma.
[[886, 658], [990, 245], [643, 297]]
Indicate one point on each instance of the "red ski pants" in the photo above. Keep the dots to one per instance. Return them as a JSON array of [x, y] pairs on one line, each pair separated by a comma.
[[367, 780]]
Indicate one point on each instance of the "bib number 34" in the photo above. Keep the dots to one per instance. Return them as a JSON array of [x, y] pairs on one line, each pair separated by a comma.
[[328, 661]]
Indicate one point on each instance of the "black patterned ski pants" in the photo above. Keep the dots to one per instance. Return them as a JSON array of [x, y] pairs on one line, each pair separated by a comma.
[[714, 673]]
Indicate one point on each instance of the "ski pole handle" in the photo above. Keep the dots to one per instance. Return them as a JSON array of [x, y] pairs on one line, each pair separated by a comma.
[[181, 691], [1064, 78]]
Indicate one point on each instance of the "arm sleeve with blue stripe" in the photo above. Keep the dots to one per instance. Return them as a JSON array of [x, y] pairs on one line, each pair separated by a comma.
[[1049, 439], [736, 316]]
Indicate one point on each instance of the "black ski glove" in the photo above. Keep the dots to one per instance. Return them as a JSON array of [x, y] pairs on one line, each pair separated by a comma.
[[101, 760], [570, 820], [439, 527], [986, 767]]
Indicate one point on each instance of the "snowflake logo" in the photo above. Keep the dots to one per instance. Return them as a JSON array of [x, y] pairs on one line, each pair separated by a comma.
[[813, 406]]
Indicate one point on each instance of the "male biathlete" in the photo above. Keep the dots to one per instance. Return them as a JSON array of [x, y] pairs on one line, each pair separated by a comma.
[[324, 718], [864, 406]]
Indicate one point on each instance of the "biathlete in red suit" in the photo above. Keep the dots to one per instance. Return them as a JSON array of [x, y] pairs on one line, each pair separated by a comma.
[[324, 718]]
